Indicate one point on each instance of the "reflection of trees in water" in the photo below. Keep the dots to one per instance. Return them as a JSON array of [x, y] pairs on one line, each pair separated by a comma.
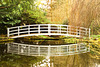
[[80, 60], [13, 60]]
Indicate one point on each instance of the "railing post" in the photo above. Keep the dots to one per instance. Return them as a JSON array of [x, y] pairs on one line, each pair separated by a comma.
[[76, 48], [67, 30], [7, 32], [70, 29], [86, 32], [77, 31], [28, 29], [79, 47], [89, 32], [60, 29], [38, 29], [18, 31], [49, 29]]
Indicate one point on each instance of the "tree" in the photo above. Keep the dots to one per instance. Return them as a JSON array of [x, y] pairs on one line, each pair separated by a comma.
[[85, 13], [19, 12], [11, 10]]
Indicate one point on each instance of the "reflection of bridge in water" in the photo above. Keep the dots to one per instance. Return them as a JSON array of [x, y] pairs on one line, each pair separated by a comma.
[[47, 50], [47, 29]]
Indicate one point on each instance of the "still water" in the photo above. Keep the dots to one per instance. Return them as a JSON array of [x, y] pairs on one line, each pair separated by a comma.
[[17, 60]]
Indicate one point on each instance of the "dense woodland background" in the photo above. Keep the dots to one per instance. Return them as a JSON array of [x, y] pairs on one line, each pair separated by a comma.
[[84, 13]]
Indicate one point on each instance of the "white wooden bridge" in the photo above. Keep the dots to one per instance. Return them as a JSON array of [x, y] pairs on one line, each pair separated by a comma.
[[47, 29], [47, 50]]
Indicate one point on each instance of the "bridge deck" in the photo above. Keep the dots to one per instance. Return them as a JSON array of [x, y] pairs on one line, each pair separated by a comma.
[[47, 29], [44, 34]]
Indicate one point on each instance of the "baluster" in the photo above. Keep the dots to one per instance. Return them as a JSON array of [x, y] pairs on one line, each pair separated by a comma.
[[60, 29], [67, 30], [49, 27], [70, 30], [18, 31], [86, 32], [89, 32], [28, 29], [38, 29], [77, 31]]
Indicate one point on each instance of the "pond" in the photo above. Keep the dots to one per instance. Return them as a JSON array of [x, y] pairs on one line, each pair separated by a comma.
[[17, 54]]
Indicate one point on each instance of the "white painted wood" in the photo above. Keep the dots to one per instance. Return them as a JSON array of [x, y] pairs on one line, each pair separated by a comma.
[[18, 31], [41, 27], [60, 29], [89, 32], [8, 32], [67, 30], [13, 31], [38, 29], [49, 28]]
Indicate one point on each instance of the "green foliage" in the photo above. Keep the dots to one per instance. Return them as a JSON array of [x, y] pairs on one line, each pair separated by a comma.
[[25, 11], [66, 22], [19, 12], [36, 16], [10, 11]]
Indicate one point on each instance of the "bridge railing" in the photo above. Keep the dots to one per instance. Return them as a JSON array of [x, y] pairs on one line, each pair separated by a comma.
[[47, 50], [47, 29]]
